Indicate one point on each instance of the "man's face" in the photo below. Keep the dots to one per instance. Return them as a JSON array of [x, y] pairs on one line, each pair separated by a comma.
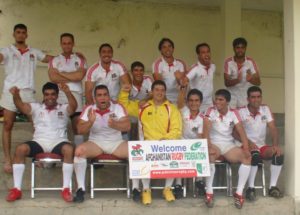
[[220, 103], [20, 35], [138, 73], [106, 54], [255, 99], [204, 55], [194, 103], [67, 44], [167, 49], [159, 93], [50, 98], [102, 99], [240, 50]]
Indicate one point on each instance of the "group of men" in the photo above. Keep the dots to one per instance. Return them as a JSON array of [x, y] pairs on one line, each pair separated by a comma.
[[179, 104]]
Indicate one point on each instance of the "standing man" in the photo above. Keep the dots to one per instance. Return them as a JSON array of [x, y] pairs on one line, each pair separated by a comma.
[[169, 69], [19, 65], [69, 68], [240, 73], [256, 119], [109, 72]]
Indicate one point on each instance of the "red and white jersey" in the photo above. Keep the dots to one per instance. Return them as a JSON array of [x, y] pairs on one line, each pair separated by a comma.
[[49, 125], [256, 125], [191, 127], [222, 125], [167, 73], [202, 78], [71, 64], [111, 78], [100, 129], [20, 66], [142, 92]]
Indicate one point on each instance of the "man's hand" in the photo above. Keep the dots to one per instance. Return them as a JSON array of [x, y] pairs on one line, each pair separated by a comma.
[[14, 90], [240, 76], [276, 150], [111, 122], [92, 115], [126, 87], [253, 147], [64, 87]]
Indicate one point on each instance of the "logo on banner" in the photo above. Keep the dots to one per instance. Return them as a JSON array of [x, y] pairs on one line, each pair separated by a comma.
[[137, 150], [196, 146]]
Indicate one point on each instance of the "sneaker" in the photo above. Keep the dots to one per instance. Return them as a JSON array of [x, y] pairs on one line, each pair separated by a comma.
[[250, 194], [79, 197], [209, 200], [200, 185], [168, 194], [136, 195], [13, 195], [238, 200], [66, 195], [275, 192], [178, 191], [146, 197]]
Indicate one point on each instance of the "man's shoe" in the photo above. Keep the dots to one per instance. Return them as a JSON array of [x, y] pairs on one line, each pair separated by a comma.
[[275, 192], [250, 194], [79, 197], [66, 195], [200, 185], [136, 195], [13, 195], [238, 200], [178, 191], [146, 197], [209, 200], [168, 194]]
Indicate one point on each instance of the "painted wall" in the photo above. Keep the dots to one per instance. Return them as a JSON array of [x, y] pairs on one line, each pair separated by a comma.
[[134, 30]]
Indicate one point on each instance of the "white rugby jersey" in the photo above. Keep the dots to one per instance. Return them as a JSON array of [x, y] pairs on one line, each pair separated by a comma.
[[191, 127], [20, 66], [142, 92]]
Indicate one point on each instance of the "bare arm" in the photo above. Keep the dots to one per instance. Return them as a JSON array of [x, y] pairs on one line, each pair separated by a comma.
[[56, 77], [253, 78], [232, 82], [181, 98], [206, 130], [156, 76], [123, 124], [77, 75], [47, 58], [71, 99], [241, 132], [89, 86], [23, 107], [83, 127], [1, 58], [252, 145]]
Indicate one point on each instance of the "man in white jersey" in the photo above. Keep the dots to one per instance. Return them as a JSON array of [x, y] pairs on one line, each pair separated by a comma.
[[69, 68], [256, 119], [169, 69], [105, 120], [201, 75], [108, 72], [222, 121], [240, 73], [50, 121], [19, 65]]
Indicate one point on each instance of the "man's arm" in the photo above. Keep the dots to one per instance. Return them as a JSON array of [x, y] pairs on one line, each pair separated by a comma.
[[125, 79], [1, 58], [47, 59], [275, 140], [83, 127], [181, 98], [55, 76], [253, 78], [241, 132], [123, 124], [89, 86], [232, 82], [132, 107], [77, 75], [175, 130], [157, 76], [23, 107], [252, 145], [206, 129], [72, 103]]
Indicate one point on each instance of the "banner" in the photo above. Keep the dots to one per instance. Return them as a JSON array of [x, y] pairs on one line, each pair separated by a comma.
[[168, 159]]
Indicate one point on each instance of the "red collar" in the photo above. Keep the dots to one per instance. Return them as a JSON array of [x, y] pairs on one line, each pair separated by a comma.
[[101, 113], [23, 51]]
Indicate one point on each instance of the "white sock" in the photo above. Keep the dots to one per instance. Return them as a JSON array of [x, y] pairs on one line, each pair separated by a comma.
[[78, 139], [209, 180], [169, 182], [252, 176], [67, 170], [18, 171], [178, 181], [275, 171], [135, 184], [244, 171], [146, 183], [80, 169]]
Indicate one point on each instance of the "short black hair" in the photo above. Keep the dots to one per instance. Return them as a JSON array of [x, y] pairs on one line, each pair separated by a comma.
[[137, 64], [158, 82], [105, 45], [195, 92], [100, 87], [224, 93], [163, 40], [20, 26], [50, 86], [67, 35], [253, 89], [201, 45], [239, 41]]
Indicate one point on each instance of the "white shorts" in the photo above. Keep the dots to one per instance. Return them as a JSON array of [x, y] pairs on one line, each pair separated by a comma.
[[7, 102], [108, 147], [49, 146], [62, 99], [238, 100], [225, 146]]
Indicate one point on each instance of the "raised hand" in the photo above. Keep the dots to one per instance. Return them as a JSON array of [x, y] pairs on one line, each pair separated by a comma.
[[14, 90]]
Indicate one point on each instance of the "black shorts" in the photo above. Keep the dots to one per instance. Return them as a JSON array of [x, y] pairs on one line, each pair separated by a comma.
[[35, 148]]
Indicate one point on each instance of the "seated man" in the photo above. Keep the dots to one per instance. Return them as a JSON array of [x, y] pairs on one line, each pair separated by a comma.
[[104, 121], [221, 122], [50, 121], [256, 118]]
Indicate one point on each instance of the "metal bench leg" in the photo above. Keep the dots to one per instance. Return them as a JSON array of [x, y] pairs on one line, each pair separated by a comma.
[[127, 181], [263, 179], [32, 178], [229, 175], [92, 181]]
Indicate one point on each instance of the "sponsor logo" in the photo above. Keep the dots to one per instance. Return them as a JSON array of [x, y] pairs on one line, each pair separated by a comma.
[[196, 146], [137, 150], [174, 164]]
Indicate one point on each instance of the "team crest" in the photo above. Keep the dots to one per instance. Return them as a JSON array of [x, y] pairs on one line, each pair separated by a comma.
[[60, 114], [31, 57], [76, 65], [114, 75]]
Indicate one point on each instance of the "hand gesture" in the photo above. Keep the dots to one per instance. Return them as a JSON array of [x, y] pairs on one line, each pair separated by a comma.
[[14, 90], [276, 150], [91, 115], [240, 76], [64, 87], [126, 87]]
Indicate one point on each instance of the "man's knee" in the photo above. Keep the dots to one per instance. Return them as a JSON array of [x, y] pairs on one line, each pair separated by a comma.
[[22, 150], [68, 149], [255, 158], [80, 151], [277, 160]]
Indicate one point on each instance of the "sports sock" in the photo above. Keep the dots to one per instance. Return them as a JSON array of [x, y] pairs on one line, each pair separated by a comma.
[[244, 171], [18, 171], [67, 170], [80, 169]]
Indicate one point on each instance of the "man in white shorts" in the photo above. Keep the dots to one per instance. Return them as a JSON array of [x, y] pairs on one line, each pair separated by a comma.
[[256, 119], [240, 73], [222, 121], [105, 121], [19, 65], [169, 69], [50, 121], [108, 72], [69, 68]]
